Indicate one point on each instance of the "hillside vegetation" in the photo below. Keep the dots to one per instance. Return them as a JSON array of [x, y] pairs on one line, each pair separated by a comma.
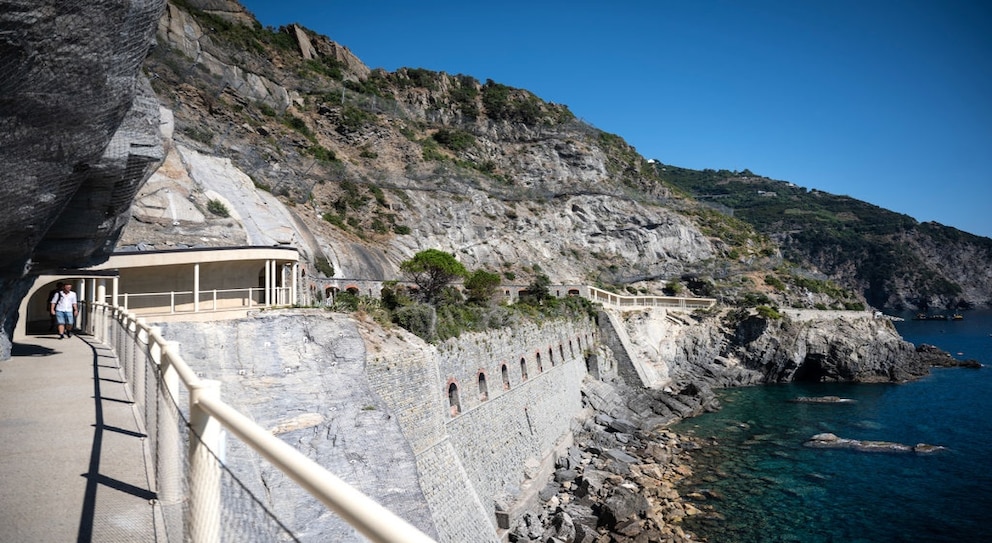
[[895, 261], [376, 166]]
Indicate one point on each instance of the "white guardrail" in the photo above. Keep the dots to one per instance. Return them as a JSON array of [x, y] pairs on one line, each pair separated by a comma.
[[618, 300], [208, 300], [140, 349]]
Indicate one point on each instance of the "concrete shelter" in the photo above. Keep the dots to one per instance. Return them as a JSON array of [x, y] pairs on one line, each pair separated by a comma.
[[182, 284]]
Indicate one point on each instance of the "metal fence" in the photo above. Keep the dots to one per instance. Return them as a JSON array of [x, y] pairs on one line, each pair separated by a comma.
[[199, 498]]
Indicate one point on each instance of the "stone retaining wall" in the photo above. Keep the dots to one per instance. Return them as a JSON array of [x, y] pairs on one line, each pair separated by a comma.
[[476, 447]]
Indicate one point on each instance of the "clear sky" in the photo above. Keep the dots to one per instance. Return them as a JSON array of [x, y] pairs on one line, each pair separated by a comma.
[[885, 101]]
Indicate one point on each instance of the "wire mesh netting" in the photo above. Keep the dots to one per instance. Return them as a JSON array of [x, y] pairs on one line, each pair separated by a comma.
[[233, 513], [77, 136]]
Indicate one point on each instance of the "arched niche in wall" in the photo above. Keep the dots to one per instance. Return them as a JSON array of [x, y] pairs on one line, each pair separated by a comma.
[[454, 404], [505, 373], [523, 369], [483, 387]]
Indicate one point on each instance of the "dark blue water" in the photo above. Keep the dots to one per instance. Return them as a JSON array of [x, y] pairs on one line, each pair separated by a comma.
[[768, 487]]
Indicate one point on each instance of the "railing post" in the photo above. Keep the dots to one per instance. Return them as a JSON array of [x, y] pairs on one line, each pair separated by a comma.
[[204, 470], [138, 366], [170, 443]]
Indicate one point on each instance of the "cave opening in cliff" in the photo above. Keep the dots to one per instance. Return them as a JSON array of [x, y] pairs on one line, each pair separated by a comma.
[[811, 370]]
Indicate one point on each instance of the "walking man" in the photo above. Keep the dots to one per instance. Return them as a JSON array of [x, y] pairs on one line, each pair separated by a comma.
[[64, 307]]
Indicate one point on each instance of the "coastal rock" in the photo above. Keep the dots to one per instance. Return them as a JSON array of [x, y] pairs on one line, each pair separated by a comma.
[[831, 441], [937, 357], [821, 399]]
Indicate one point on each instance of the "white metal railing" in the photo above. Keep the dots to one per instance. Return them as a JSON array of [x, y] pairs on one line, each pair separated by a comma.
[[680, 302], [183, 301], [140, 349]]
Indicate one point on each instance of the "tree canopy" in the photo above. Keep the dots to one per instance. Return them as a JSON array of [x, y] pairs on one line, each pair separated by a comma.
[[432, 270]]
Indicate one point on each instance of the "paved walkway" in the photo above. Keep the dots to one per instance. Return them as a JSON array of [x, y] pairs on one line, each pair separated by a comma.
[[72, 462]]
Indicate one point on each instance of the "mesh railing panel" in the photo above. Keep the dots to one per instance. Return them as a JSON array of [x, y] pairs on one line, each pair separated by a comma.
[[243, 516]]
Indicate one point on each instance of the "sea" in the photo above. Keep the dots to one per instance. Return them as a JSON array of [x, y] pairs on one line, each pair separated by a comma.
[[761, 484]]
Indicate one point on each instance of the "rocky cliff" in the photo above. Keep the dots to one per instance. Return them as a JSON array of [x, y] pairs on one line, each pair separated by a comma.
[[742, 347], [374, 166], [78, 134]]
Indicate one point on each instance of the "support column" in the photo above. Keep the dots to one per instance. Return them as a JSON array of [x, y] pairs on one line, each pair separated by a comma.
[[267, 299], [101, 291], [293, 297], [82, 320], [196, 288], [116, 291]]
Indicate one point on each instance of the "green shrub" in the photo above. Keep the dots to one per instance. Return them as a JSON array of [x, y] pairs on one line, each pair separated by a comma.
[[298, 124], [401, 229], [335, 219], [418, 319], [774, 282], [456, 140], [324, 267], [322, 153], [353, 119], [482, 286], [218, 208], [768, 312]]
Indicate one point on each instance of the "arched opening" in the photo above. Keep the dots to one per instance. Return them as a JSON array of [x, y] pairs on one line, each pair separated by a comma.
[[561, 351], [453, 404], [571, 349], [483, 388], [540, 367], [523, 369], [573, 292], [505, 372], [330, 293], [551, 357], [353, 290]]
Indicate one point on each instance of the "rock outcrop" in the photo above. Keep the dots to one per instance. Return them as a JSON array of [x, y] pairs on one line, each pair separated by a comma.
[[741, 347], [831, 441], [78, 134]]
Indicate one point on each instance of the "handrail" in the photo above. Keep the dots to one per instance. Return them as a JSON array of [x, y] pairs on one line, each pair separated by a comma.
[[600, 295], [363, 513]]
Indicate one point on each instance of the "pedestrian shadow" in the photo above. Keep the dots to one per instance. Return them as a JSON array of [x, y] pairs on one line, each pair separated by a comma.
[[31, 349], [95, 479]]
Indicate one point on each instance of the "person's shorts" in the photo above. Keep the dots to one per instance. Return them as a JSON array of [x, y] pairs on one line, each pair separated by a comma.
[[63, 317]]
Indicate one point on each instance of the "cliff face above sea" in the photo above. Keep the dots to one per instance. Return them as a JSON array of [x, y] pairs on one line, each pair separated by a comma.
[[741, 347]]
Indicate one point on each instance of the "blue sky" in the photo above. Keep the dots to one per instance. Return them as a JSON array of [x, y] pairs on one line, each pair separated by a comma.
[[887, 102]]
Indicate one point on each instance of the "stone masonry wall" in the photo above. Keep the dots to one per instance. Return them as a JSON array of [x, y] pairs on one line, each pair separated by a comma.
[[485, 450]]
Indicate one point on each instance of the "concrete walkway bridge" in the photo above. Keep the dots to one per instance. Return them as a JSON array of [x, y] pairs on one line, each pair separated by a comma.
[[109, 436]]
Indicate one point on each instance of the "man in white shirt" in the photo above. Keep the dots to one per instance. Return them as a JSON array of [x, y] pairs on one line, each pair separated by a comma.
[[64, 307]]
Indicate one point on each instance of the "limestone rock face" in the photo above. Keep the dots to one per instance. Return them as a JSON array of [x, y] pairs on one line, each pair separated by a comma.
[[303, 374], [732, 349], [78, 133]]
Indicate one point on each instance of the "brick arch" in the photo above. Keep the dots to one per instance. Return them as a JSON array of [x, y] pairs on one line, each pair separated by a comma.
[[505, 374]]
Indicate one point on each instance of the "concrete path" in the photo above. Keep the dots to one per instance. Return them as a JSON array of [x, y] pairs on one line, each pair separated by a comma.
[[72, 461]]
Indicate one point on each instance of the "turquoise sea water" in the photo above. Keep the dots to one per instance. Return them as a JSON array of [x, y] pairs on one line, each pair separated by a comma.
[[768, 487]]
